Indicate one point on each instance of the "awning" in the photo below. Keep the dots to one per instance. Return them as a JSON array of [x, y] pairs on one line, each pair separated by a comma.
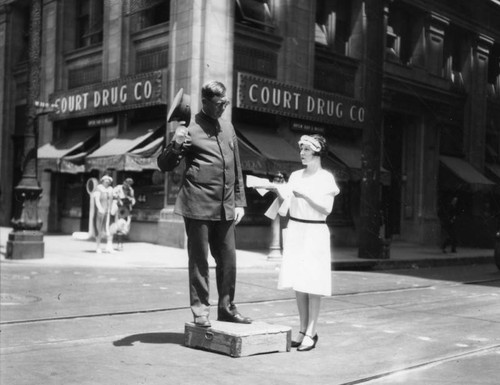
[[276, 152], [462, 176], [251, 160], [133, 150], [350, 155], [67, 154]]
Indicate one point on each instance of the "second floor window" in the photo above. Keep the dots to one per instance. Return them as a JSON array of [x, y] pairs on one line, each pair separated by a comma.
[[333, 24], [255, 13], [404, 36], [494, 71], [456, 45], [150, 12], [89, 22]]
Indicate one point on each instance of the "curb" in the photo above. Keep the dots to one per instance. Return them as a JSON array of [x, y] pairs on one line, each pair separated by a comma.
[[388, 264]]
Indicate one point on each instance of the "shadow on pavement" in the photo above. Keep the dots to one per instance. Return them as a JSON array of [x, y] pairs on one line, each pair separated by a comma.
[[152, 338]]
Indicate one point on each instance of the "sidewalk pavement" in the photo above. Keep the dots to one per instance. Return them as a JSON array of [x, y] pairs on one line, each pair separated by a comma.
[[63, 249]]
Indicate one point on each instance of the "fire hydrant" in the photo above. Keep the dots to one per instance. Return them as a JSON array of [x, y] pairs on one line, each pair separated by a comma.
[[497, 249]]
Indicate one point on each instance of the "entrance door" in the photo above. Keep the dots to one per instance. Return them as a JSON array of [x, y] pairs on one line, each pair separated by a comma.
[[392, 161]]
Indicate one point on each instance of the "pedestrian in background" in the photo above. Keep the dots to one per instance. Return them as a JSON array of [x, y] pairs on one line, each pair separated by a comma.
[[123, 202], [448, 215], [306, 265], [103, 200], [123, 195], [211, 200]]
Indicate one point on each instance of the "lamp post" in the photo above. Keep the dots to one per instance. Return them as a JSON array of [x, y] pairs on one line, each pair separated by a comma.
[[26, 239]]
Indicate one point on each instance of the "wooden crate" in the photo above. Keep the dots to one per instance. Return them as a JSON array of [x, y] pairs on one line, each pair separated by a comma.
[[239, 340]]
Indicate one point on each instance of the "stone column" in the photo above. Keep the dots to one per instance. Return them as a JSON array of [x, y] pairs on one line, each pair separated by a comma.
[[4, 133], [112, 39], [423, 156], [475, 120], [296, 57], [49, 73], [370, 245], [435, 31]]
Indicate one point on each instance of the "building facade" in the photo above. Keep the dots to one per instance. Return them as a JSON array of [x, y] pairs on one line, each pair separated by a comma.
[[291, 67]]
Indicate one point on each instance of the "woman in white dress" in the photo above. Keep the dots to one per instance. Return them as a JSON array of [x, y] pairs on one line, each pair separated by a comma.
[[306, 266], [103, 198]]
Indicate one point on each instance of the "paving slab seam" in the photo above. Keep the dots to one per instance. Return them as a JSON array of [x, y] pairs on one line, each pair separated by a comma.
[[430, 363], [96, 315], [59, 344]]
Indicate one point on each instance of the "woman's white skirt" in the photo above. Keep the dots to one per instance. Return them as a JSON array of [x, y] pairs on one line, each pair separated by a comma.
[[306, 265]]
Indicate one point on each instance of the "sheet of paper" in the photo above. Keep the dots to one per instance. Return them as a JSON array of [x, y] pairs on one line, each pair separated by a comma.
[[272, 211], [262, 185]]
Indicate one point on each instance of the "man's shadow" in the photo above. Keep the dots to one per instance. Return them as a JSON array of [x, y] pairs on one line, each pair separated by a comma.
[[151, 338]]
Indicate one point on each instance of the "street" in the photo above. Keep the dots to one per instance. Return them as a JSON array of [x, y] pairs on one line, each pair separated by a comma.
[[116, 325]]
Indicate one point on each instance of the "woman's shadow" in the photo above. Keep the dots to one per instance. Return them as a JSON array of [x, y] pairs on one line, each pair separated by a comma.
[[151, 338]]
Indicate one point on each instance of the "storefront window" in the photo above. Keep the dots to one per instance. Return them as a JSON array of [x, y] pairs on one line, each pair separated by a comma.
[[451, 140], [492, 147], [148, 191], [89, 22], [72, 195]]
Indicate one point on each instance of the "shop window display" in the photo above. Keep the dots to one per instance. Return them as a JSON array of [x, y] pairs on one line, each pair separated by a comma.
[[149, 193]]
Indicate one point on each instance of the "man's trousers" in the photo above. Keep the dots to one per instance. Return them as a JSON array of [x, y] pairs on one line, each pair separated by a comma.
[[220, 238]]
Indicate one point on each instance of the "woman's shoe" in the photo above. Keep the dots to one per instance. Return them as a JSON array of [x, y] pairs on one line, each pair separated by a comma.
[[296, 344], [306, 348]]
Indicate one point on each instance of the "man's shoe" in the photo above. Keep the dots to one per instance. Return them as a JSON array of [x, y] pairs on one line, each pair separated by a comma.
[[202, 321], [236, 318]]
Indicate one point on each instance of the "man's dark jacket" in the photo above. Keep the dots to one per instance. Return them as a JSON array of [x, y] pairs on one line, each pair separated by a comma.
[[212, 184]]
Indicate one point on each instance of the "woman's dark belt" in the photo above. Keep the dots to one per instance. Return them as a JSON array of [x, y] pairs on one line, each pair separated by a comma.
[[306, 220]]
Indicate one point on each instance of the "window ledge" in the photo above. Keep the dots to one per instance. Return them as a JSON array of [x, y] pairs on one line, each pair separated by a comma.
[[150, 32], [272, 40], [82, 53]]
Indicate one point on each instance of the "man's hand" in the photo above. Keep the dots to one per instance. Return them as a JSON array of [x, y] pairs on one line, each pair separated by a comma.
[[239, 213], [181, 136]]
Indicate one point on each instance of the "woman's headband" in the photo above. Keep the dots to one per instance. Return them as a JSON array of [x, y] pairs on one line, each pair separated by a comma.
[[311, 142]]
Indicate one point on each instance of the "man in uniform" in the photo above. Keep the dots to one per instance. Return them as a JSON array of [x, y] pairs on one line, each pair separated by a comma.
[[211, 200]]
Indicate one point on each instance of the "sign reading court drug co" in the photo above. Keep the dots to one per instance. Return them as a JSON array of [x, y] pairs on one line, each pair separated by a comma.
[[265, 95], [137, 91]]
